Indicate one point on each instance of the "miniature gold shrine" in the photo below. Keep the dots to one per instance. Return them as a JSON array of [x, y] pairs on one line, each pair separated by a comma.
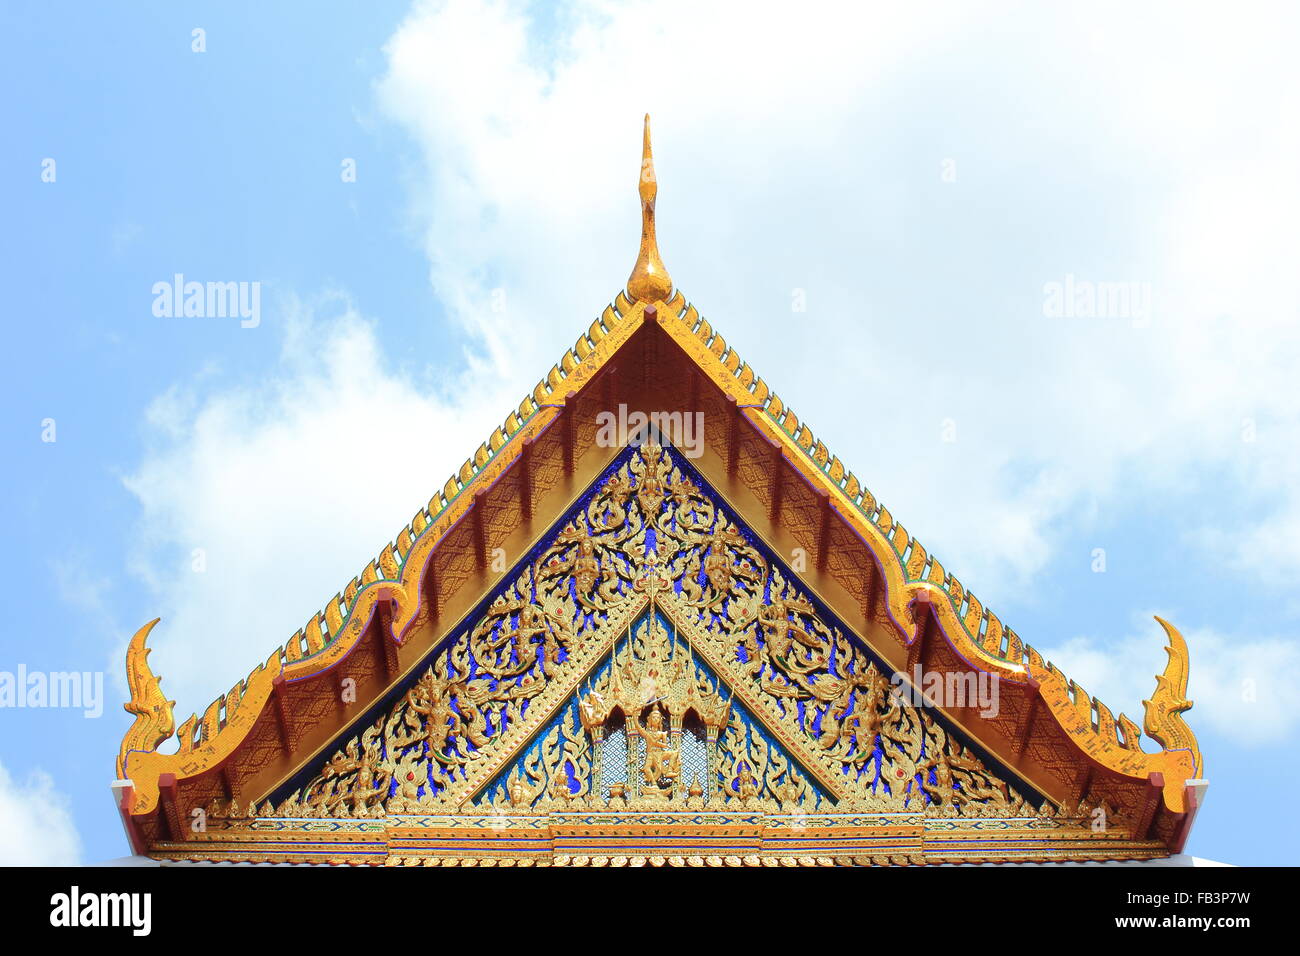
[[652, 681]]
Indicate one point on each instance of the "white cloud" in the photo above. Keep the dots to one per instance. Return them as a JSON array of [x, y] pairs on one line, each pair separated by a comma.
[[36, 828], [1241, 688], [800, 152], [287, 487], [804, 151]]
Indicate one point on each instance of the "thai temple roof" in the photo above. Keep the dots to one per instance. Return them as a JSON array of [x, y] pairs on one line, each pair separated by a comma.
[[1065, 750]]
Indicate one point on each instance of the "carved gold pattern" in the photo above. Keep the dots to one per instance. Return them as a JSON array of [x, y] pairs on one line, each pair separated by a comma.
[[823, 728]]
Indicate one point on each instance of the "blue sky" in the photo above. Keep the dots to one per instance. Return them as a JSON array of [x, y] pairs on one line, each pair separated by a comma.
[[920, 178]]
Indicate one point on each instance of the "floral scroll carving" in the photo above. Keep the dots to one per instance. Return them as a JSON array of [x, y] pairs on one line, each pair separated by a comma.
[[649, 610]]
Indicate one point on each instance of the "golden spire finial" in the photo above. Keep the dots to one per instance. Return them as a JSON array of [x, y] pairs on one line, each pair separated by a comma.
[[649, 281]]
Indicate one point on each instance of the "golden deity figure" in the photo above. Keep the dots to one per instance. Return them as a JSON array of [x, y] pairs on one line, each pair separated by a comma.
[[560, 791], [651, 490], [586, 569], [718, 564], [746, 786], [663, 764], [592, 710], [941, 791]]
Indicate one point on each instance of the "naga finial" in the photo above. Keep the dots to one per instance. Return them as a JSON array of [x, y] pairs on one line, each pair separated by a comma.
[[154, 722], [649, 281], [1163, 720]]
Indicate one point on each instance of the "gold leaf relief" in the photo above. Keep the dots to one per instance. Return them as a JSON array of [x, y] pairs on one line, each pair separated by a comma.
[[825, 724]]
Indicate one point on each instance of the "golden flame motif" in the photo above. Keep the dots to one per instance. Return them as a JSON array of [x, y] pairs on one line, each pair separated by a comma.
[[154, 722], [1162, 716]]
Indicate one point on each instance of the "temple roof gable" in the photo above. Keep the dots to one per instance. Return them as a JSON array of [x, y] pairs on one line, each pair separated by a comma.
[[651, 347]]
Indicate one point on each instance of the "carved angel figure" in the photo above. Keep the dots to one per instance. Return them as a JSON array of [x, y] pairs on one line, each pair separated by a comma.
[[662, 764]]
